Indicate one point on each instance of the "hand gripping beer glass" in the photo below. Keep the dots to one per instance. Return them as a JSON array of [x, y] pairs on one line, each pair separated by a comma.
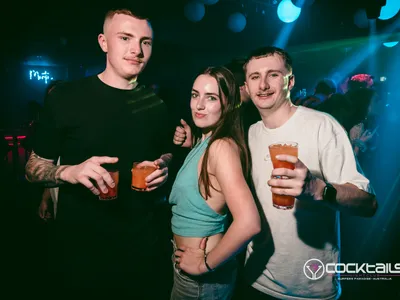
[[288, 148]]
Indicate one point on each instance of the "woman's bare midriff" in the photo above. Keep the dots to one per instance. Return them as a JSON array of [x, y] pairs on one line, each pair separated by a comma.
[[194, 242]]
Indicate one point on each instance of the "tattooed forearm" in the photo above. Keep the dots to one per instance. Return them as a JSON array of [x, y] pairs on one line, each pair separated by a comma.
[[43, 171]]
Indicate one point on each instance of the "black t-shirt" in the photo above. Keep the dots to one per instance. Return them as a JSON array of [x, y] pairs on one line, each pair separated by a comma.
[[88, 118]]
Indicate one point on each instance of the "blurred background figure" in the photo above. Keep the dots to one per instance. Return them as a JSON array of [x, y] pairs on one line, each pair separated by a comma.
[[357, 81], [323, 90], [360, 81], [364, 135]]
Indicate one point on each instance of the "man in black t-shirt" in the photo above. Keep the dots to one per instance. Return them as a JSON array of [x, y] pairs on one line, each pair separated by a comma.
[[108, 119]]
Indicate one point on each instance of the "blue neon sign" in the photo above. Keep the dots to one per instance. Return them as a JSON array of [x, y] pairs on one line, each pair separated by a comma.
[[44, 76]]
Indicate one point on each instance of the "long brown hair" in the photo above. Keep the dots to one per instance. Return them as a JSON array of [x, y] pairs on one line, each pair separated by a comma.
[[229, 126]]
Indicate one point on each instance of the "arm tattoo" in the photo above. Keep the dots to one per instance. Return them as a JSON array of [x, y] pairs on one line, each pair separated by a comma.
[[41, 170]]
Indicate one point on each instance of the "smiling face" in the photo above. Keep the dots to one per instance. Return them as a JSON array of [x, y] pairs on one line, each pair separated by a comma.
[[268, 82], [127, 41], [205, 102]]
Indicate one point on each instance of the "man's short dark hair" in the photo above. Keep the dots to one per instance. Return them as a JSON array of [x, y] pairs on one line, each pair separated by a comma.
[[268, 51]]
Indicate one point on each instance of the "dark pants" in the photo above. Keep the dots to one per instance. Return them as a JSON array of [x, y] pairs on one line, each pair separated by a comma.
[[245, 292], [113, 264]]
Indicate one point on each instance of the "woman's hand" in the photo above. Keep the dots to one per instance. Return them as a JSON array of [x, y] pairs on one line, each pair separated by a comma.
[[192, 260]]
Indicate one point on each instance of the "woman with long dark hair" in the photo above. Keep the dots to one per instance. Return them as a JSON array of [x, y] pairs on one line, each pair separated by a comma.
[[211, 184]]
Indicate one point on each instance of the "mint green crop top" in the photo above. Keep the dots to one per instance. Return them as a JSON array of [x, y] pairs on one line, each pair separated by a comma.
[[191, 215]]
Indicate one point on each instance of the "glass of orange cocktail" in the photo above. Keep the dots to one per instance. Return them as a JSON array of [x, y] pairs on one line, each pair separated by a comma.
[[288, 148], [139, 174]]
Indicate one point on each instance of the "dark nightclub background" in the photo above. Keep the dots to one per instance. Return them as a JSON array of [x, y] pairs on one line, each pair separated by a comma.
[[57, 40]]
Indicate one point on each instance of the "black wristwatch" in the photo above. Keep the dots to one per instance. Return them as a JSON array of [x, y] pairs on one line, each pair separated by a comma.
[[329, 193]]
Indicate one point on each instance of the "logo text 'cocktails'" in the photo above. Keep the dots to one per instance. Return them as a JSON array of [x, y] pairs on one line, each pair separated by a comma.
[[314, 269]]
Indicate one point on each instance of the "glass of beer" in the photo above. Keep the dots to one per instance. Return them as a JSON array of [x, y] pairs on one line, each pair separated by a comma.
[[288, 148], [112, 191], [139, 175]]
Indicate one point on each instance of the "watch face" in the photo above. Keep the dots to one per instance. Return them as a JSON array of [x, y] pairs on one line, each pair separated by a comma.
[[330, 193]]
